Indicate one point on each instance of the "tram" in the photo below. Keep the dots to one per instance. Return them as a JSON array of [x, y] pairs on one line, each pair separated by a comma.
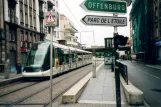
[[64, 59]]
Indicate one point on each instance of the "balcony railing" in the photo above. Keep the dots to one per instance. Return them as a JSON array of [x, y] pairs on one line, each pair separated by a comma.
[[71, 28], [51, 2], [68, 35]]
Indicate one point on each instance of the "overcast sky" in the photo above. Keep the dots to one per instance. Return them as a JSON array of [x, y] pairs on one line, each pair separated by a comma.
[[100, 32]]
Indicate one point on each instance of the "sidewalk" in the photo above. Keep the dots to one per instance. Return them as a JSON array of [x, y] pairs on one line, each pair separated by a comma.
[[100, 91], [13, 77]]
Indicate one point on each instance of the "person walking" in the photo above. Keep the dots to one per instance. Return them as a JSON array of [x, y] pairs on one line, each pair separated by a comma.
[[7, 68], [18, 68]]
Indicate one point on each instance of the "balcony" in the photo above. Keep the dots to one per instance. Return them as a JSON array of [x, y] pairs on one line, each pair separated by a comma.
[[13, 20], [51, 3], [71, 28], [41, 14], [68, 35], [72, 43]]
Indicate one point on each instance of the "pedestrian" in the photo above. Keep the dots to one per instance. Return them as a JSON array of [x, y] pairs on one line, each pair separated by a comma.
[[18, 68], [7, 68]]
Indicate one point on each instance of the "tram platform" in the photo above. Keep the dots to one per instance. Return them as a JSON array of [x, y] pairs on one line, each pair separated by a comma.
[[100, 91]]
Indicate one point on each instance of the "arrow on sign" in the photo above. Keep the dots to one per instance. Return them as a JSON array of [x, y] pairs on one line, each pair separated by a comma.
[[104, 20], [104, 6]]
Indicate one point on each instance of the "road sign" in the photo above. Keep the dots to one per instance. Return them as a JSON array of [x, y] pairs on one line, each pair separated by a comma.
[[104, 6], [104, 20], [51, 19]]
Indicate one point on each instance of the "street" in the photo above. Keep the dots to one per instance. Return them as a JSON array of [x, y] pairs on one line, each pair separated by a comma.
[[147, 80]]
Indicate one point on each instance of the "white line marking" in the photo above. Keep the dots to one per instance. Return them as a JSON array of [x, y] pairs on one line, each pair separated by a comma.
[[154, 76], [99, 102]]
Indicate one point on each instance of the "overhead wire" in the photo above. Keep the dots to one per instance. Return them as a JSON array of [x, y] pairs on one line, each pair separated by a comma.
[[72, 14]]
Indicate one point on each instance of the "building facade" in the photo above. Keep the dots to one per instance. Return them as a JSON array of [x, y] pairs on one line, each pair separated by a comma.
[[2, 38], [23, 25], [141, 17], [157, 30], [67, 32]]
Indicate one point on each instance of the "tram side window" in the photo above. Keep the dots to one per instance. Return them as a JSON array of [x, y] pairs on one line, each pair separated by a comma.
[[67, 58], [74, 57], [60, 56], [46, 64]]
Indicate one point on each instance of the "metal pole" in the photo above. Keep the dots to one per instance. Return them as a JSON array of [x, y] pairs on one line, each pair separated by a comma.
[[94, 62], [117, 74], [51, 64], [80, 40]]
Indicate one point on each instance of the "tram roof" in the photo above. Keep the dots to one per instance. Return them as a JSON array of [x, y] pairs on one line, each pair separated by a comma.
[[71, 48]]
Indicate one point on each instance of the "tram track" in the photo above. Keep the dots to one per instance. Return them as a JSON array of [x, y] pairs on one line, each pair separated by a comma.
[[58, 80], [62, 92]]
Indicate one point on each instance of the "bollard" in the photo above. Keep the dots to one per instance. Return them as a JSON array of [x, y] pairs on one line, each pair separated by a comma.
[[94, 66], [117, 82]]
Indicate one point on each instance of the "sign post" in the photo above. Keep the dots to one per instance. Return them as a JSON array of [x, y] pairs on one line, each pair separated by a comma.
[[104, 20], [51, 21]]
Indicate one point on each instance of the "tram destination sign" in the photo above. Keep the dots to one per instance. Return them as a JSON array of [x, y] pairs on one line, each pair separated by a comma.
[[104, 20], [104, 6]]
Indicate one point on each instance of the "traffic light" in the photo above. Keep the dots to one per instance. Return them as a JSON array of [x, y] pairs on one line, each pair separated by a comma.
[[120, 40]]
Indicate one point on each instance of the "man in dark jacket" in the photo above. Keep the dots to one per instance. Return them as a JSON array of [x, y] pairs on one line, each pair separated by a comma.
[[18, 68]]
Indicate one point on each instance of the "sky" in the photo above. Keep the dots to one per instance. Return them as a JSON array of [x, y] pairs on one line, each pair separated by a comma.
[[100, 32]]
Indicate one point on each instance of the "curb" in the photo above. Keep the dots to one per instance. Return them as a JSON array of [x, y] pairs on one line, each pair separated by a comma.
[[72, 95], [133, 94], [11, 80]]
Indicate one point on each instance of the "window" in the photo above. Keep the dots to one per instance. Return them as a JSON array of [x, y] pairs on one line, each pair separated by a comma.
[[31, 38], [45, 5], [26, 19], [25, 2], [21, 12], [157, 32], [35, 19], [26, 37], [34, 4], [31, 21], [56, 3], [34, 38], [156, 12], [30, 3], [41, 38], [22, 36], [21, 16], [49, 30]]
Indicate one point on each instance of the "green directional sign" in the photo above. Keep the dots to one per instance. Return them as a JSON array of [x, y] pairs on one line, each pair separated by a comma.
[[105, 6]]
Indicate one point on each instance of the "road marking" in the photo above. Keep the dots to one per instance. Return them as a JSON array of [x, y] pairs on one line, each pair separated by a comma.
[[155, 76], [99, 102]]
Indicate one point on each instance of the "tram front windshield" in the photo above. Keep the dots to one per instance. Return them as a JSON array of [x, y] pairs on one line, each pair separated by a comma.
[[37, 55]]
